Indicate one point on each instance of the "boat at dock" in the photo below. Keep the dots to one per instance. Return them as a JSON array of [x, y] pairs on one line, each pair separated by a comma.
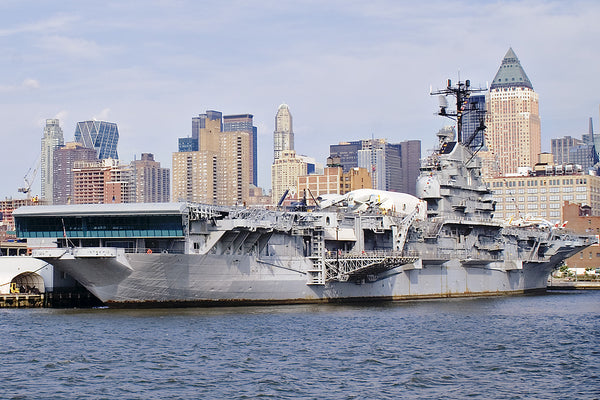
[[364, 245]]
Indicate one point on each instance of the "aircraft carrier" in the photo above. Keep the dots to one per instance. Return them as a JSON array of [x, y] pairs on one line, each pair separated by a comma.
[[364, 245]]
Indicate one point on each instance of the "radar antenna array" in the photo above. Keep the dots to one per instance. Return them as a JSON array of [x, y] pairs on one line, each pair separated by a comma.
[[461, 91]]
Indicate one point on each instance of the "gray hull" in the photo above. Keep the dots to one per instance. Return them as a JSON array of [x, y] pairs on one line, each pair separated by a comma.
[[154, 279]]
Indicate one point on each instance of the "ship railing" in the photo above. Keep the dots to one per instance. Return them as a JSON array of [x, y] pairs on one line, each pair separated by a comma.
[[368, 254], [462, 254], [153, 250]]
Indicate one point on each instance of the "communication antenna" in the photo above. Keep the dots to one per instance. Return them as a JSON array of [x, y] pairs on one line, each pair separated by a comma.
[[461, 91]]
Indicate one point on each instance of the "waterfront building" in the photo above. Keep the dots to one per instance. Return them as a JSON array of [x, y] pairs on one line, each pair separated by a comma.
[[581, 221], [64, 161], [219, 171], [101, 136], [393, 166], [104, 181], [7, 206], [283, 136], [52, 140], [151, 182], [513, 135], [541, 192]]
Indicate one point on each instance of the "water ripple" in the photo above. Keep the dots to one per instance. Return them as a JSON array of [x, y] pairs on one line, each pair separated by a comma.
[[504, 348]]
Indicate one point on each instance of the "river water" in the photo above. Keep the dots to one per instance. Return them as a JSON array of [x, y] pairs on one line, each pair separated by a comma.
[[524, 347]]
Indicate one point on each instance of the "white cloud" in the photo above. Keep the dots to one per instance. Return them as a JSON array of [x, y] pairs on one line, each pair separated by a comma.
[[31, 83], [61, 115], [52, 24], [103, 115], [73, 47]]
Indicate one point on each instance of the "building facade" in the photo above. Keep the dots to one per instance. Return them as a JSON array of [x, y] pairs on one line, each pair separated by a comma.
[[283, 136], [104, 181], [541, 193], [64, 162], [245, 123], [52, 140], [333, 181], [473, 122], [513, 135], [101, 136], [561, 148], [582, 222], [392, 166], [151, 182], [285, 172], [233, 180], [195, 177], [220, 171]]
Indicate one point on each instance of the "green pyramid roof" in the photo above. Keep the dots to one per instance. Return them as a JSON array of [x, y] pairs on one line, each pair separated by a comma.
[[511, 74]]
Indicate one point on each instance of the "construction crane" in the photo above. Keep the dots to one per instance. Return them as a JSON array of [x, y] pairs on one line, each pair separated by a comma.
[[29, 178]]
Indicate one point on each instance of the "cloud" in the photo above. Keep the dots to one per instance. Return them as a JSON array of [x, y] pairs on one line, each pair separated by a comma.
[[103, 116], [53, 24], [30, 83], [62, 115], [73, 47]]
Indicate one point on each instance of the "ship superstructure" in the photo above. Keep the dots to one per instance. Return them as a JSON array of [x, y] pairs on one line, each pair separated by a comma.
[[367, 244]]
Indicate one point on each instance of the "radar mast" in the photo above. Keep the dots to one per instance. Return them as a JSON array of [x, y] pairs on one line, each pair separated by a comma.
[[461, 92]]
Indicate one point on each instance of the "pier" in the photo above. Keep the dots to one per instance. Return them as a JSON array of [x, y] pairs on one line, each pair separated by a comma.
[[77, 299], [572, 284], [21, 300]]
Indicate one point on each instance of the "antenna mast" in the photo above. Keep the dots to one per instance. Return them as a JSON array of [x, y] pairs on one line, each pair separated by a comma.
[[461, 91]]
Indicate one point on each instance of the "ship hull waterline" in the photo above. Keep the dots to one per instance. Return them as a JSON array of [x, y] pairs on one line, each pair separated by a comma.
[[171, 280]]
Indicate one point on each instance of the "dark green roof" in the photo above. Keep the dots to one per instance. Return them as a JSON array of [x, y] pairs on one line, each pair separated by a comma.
[[511, 74]]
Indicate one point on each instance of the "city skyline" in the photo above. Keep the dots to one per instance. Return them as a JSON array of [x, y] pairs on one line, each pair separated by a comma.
[[76, 62]]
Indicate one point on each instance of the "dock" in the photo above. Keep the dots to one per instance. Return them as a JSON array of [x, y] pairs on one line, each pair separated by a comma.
[[21, 300], [77, 299], [572, 284]]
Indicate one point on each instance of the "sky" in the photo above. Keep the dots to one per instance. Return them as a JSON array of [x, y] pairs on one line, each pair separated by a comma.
[[348, 70]]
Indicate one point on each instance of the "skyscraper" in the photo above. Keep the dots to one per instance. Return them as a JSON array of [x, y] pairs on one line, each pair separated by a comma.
[[218, 172], [99, 135], [285, 171], [244, 123], [104, 181], [393, 166], [52, 139], [473, 122], [64, 161], [151, 182], [283, 136], [513, 121], [561, 148]]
